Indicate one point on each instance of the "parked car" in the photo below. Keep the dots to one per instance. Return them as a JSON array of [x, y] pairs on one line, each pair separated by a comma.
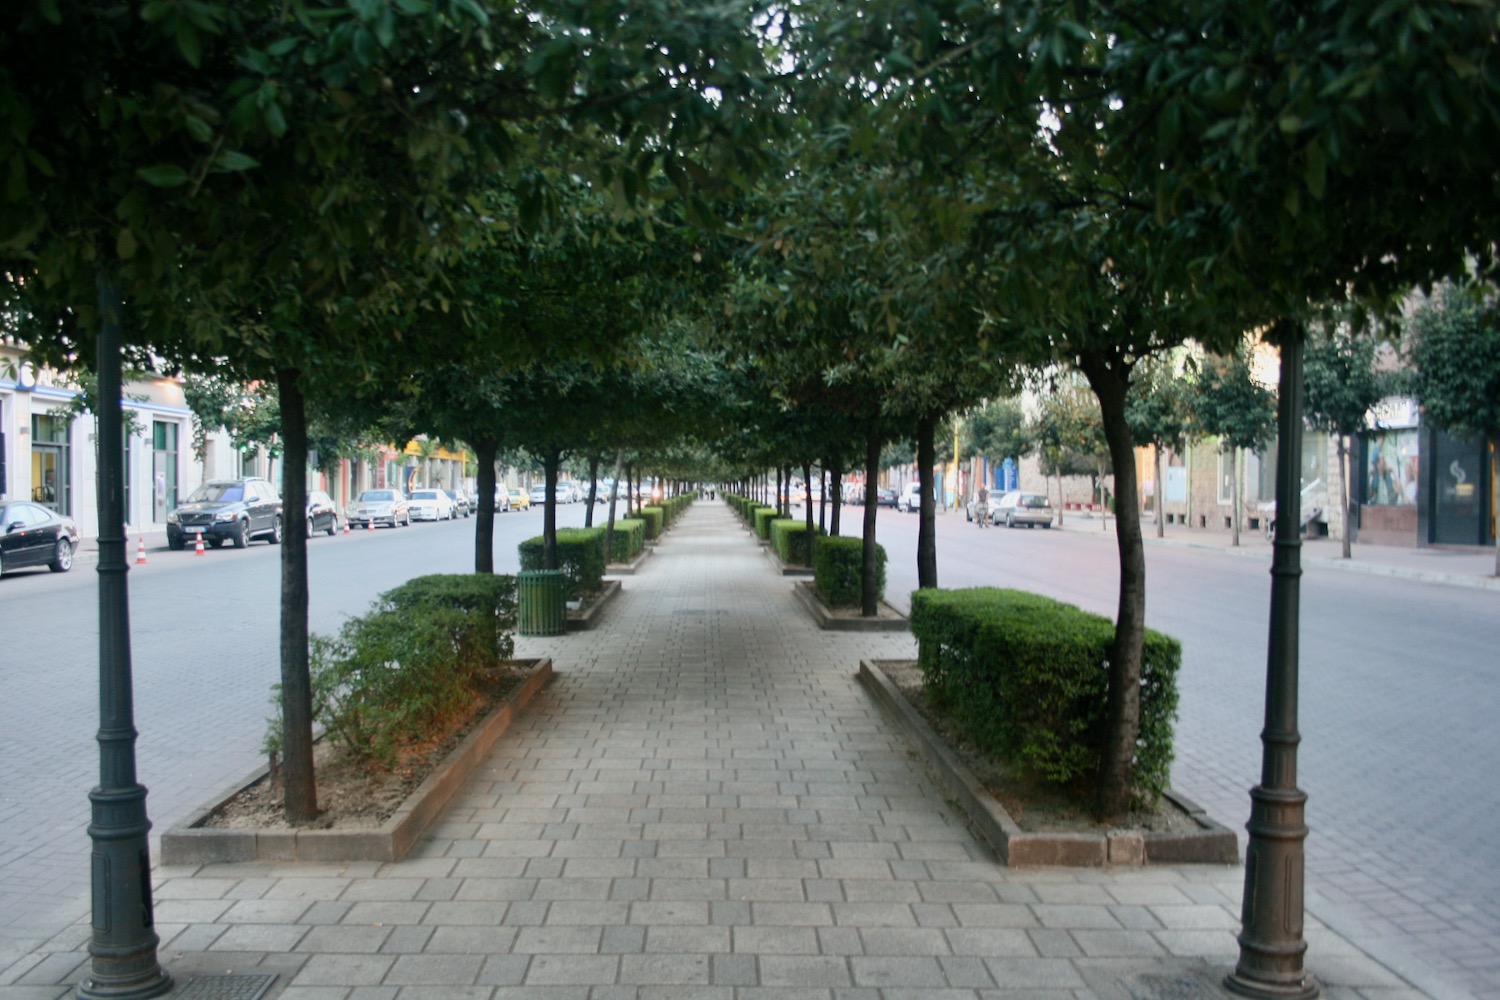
[[378, 507], [227, 510], [1030, 509], [568, 493], [520, 499], [430, 505], [322, 513], [885, 496], [992, 500], [460, 501], [502, 499], [911, 498], [538, 495], [33, 535]]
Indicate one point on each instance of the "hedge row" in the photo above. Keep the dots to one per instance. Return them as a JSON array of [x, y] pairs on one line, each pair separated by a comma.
[[629, 539], [838, 570], [416, 660], [580, 555], [1028, 678], [792, 541]]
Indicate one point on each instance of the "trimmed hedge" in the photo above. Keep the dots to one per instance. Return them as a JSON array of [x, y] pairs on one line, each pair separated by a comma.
[[416, 660], [838, 570], [656, 519], [580, 555], [674, 506], [629, 539], [792, 541], [762, 518], [1028, 678]]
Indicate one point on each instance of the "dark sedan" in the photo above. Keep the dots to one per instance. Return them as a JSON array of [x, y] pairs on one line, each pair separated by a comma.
[[322, 513], [33, 535], [886, 497]]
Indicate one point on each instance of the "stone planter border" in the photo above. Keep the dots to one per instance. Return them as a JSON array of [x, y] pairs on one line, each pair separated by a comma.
[[588, 617], [188, 843], [1211, 843], [785, 569], [889, 619], [629, 568]]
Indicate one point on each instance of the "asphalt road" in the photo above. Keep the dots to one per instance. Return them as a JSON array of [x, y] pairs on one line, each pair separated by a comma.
[[204, 654], [1400, 687]]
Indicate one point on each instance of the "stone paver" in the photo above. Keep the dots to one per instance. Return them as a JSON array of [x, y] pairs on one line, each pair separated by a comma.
[[705, 803]]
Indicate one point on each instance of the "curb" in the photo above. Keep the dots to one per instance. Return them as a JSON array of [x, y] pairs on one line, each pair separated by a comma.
[[1212, 843], [783, 568], [587, 618], [889, 620], [630, 568], [189, 843]]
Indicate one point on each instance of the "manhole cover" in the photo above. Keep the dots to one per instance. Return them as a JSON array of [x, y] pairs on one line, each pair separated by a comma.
[[1155, 986], [226, 988]]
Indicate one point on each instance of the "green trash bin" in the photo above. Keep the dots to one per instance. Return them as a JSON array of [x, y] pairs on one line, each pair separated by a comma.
[[543, 601]]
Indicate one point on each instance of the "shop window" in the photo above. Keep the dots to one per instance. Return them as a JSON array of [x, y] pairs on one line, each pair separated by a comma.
[[1389, 475]]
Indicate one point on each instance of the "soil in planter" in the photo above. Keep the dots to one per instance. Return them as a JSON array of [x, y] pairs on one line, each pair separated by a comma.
[[1036, 806], [357, 794]]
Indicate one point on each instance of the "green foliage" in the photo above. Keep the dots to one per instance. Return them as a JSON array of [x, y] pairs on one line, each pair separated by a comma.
[[763, 516], [1028, 678], [580, 556], [1455, 348], [629, 539], [414, 661], [656, 519], [997, 431], [792, 541], [1342, 382], [838, 570], [1159, 406], [1231, 405]]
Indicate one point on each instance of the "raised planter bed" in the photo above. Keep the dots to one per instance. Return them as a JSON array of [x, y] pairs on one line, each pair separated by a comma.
[[1207, 843], [586, 617], [887, 619], [192, 843], [785, 569], [628, 568]]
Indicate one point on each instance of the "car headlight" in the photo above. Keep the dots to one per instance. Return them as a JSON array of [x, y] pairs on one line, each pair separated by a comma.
[[225, 515], [172, 518]]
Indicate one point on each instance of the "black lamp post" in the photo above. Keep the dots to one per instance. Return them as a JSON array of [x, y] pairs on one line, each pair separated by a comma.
[[1271, 943], [122, 951]]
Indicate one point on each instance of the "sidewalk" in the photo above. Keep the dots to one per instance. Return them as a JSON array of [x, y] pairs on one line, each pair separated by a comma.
[[705, 804]]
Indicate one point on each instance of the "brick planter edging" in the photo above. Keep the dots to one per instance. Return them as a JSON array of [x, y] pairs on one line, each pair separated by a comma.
[[586, 618], [1211, 843], [785, 569], [629, 568], [890, 619], [188, 843]]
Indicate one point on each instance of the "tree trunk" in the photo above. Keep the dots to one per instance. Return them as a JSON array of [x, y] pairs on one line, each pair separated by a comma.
[[609, 524], [486, 483], [1123, 713], [823, 498], [869, 604], [807, 505], [550, 461], [1234, 494], [1160, 518], [927, 513], [588, 514], [836, 482], [1343, 499], [1495, 491], [1061, 506], [300, 790]]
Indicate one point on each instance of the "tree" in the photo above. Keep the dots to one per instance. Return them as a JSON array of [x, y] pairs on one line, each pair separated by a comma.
[[1455, 349], [1343, 386], [997, 430], [1231, 405], [1160, 415]]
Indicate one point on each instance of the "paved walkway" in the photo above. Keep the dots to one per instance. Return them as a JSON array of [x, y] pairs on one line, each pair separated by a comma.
[[704, 804]]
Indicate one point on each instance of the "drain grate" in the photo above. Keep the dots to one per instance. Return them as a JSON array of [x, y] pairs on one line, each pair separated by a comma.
[[1154, 986], [226, 988]]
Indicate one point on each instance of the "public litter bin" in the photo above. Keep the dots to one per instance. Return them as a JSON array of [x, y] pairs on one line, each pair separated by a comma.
[[543, 601]]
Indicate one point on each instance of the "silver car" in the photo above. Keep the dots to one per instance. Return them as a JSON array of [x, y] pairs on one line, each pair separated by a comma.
[[1030, 509], [374, 507]]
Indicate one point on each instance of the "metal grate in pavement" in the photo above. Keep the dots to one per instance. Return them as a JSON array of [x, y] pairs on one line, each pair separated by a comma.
[[226, 988], [1176, 986]]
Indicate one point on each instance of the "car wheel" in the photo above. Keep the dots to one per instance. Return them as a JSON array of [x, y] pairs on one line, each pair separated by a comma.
[[1048, 525], [176, 544], [1010, 520], [275, 536], [240, 537], [215, 543], [62, 561], [309, 527], [408, 519], [333, 526]]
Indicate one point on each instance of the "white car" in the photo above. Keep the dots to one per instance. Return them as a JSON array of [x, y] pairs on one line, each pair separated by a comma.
[[911, 498], [430, 505]]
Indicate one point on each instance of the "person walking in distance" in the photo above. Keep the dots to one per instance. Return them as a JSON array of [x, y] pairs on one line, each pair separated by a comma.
[[982, 506]]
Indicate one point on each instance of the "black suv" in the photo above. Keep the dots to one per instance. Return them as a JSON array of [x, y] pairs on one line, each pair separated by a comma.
[[227, 510]]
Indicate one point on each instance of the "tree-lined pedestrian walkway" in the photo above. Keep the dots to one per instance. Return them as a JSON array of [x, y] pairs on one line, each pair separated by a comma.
[[704, 803]]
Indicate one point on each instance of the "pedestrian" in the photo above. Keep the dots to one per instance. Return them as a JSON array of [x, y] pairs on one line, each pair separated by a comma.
[[982, 506]]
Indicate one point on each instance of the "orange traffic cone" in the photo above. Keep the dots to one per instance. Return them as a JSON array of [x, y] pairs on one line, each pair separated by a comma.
[[198, 549], [371, 523], [140, 553], [346, 526]]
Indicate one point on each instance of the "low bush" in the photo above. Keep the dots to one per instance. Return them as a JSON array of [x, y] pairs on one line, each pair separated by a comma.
[[762, 517], [629, 539], [838, 570], [414, 662], [656, 519], [580, 555], [1027, 678], [792, 541]]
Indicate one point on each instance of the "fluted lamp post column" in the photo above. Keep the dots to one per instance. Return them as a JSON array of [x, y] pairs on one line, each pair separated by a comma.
[[122, 950], [1271, 943]]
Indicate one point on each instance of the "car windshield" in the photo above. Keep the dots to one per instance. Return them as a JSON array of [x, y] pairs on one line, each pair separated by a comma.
[[218, 493], [377, 496], [424, 495]]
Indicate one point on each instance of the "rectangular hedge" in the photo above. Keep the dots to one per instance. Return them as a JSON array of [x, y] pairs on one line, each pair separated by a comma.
[[1028, 679], [629, 539], [656, 520], [838, 570], [792, 541], [763, 516], [580, 555]]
